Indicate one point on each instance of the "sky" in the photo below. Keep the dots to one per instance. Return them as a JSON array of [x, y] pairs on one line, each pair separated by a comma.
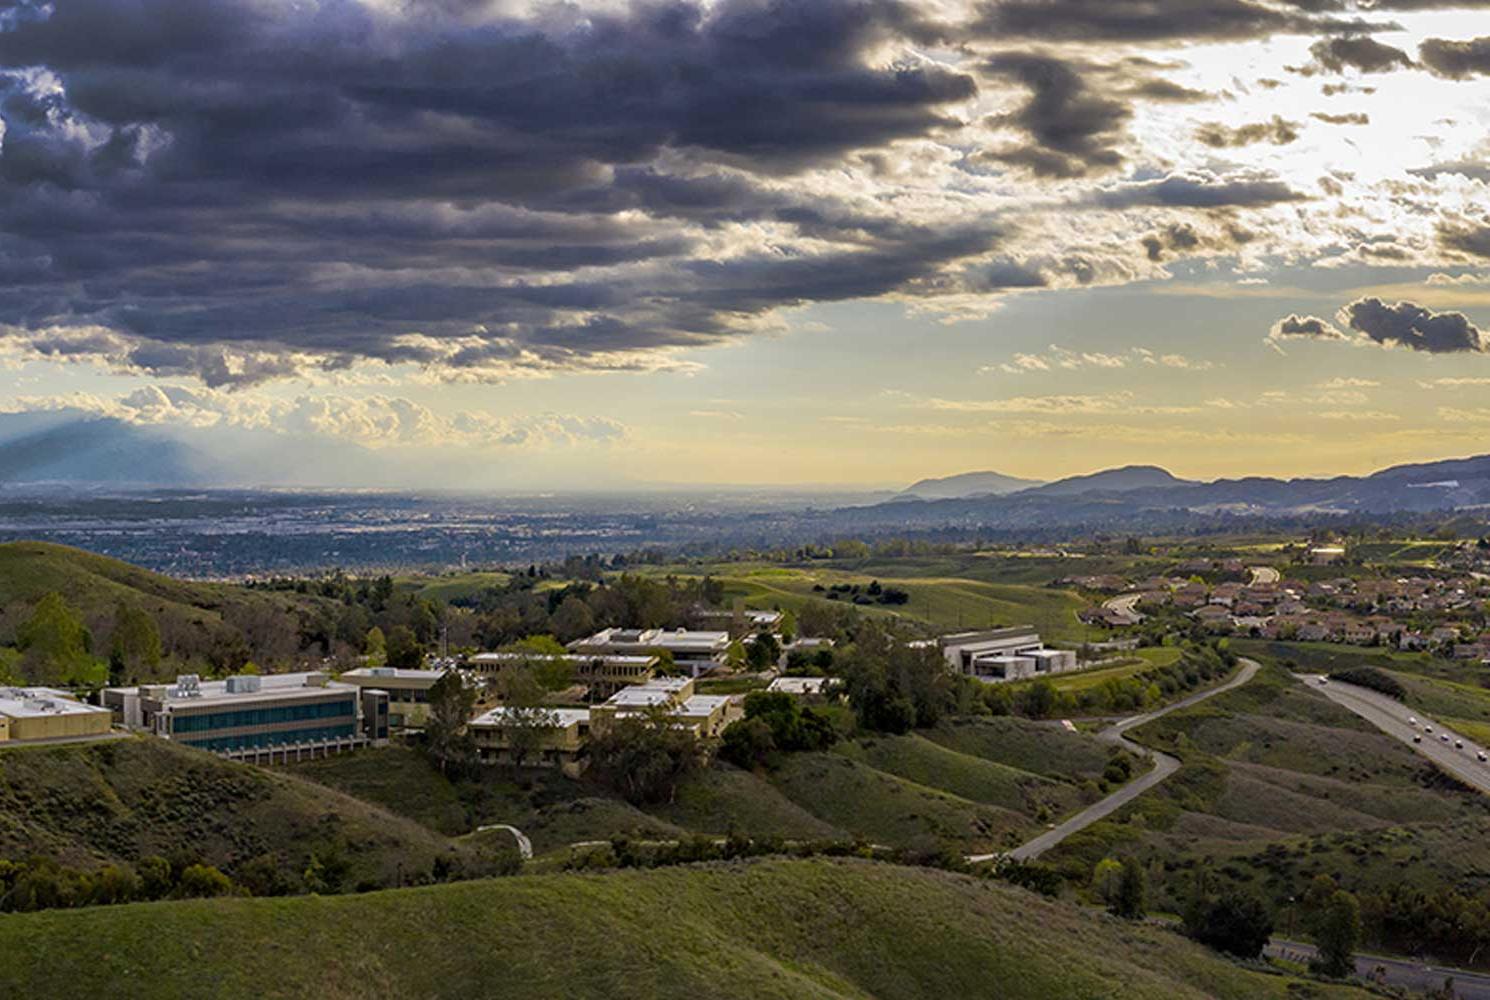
[[842, 243]]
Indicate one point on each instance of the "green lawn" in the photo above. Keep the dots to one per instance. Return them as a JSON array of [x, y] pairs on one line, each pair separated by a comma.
[[794, 930]]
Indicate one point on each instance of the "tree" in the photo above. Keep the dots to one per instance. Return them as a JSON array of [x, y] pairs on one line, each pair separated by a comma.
[[404, 651], [55, 643], [527, 722], [1236, 924], [645, 757], [1106, 877], [375, 645], [1337, 933], [1129, 903], [134, 648], [450, 705], [775, 722], [573, 619], [763, 651], [201, 881]]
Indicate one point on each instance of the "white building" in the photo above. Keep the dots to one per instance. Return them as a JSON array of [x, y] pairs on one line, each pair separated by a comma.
[[696, 651], [1004, 654]]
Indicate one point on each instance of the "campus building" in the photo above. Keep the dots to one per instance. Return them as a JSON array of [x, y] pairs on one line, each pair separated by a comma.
[[560, 745], [603, 674], [407, 690], [741, 621], [38, 713], [256, 717], [563, 744], [695, 651], [1003, 654]]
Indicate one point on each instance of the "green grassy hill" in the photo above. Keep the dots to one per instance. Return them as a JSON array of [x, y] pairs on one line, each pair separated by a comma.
[[768, 929], [1278, 785], [189, 614], [89, 804], [976, 784]]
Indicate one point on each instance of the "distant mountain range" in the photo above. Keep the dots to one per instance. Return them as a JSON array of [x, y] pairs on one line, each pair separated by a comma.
[[1150, 497], [968, 484]]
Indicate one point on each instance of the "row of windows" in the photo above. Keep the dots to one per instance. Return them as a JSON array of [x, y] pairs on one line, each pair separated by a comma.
[[249, 741], [238, 718]]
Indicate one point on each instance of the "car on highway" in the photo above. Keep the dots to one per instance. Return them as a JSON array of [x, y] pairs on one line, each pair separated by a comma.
[[1458, 744], [1417, 737], [1443, 737], [1428, 730], [1412, 720], [1481, 755]]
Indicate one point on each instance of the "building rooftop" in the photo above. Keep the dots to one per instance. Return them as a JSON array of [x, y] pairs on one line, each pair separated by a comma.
[[564, 717], [397, 673], [191, 690], [36, 702]]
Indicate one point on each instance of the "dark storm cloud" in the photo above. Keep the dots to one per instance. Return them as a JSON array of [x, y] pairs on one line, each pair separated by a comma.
[[1457, 60], [1407, 324], [329, 179], [1294, 326], [1360, 52], [1466, 237], [1187, 191], [1277, 130], [1148, 20], [1072, 129]]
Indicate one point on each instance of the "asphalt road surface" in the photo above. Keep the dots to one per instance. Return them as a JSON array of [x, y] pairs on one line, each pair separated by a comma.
[[1164, 766], [1398, 972], [1264, 574], [1391, 717]]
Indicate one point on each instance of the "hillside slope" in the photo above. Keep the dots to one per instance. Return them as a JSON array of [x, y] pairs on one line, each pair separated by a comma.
[[89, 804], [769, 929], [188, 613]]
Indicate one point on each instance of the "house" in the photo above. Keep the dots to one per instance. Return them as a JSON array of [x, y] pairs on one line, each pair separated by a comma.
[[256, 717], [696, 651], [40, 713]]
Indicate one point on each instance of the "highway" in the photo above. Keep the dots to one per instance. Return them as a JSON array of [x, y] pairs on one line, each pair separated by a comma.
[[1397, 972], [1390, 716], [1164, 766]]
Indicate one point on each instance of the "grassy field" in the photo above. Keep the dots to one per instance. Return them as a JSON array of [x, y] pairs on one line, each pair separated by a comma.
[[86, 804], [948, 602], [805, 930], [451, 586]]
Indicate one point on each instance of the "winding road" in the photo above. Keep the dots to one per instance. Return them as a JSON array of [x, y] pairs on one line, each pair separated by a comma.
[[1164, 766], [1264, 575]]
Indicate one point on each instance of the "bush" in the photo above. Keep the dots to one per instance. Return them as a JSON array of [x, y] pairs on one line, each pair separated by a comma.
[[1236, 924], [1370, 677]]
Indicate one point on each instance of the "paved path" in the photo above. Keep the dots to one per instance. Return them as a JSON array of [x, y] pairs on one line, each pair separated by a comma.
[[1164, 766], [524, 845], [1398, 972], [1264, 574], [1391, 717], [1125, 605]]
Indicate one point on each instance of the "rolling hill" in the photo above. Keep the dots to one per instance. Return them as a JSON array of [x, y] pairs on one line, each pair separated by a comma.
[[805, 930], [84, 805]]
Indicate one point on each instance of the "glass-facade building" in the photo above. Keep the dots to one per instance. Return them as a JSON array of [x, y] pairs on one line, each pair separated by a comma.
[[266, 725]]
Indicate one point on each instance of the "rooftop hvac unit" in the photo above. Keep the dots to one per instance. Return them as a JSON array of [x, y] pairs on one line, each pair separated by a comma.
[[383, 672], [188, 686], [243, 684]]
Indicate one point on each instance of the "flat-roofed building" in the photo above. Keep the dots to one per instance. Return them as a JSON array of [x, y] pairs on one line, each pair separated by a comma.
[[252, 716], [603, 674], [408, 691], [800, 685], [741, 621], [697, 651], [563, 734], [707, 715], [1002, 654], [39, 713]]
